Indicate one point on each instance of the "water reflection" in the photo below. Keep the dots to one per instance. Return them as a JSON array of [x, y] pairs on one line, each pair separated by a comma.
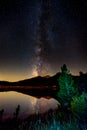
[[21, 106], [10, 100]]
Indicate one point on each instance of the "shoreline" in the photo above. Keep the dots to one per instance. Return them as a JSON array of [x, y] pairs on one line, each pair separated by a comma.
[[37, 91]]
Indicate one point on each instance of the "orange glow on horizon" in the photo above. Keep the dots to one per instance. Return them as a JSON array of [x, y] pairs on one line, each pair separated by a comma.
[[34, 73], [21, 76]]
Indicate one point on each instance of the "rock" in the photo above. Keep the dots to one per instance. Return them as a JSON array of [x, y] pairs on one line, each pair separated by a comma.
[[53, 104], [44, 105]]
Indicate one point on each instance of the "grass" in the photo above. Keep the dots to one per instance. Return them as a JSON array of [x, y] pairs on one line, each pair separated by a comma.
[[57, 120], [51, 122]]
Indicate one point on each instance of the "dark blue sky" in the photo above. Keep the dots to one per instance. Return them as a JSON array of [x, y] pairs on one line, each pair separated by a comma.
[[66, 32]]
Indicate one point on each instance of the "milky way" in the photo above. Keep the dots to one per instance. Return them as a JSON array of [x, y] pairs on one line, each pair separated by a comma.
[[42, 42], [40, 36]]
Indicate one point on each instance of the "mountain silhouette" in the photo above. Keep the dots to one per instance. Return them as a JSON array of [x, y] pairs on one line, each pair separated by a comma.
[[35, 81], [43, 86], [36, 86]]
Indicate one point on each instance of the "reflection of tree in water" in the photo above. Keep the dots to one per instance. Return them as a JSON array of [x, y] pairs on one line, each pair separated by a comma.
[[1, 113], [16, 113]]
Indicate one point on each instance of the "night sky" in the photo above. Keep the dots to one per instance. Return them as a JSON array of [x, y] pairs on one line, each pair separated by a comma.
[[37, 35]]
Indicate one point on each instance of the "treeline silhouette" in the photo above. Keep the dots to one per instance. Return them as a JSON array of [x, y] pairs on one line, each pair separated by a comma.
[[48, 82]]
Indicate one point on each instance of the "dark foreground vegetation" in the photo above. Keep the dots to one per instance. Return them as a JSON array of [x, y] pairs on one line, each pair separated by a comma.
[[72, 114], [53, 120]]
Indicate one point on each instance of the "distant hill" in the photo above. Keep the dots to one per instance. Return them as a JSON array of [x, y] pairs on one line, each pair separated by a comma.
[[36, 81], [37, 86], [44, 81], [47, 85], [80, 81]]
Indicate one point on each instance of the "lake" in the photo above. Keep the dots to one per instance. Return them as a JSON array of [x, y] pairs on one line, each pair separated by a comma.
[[14, 103], [9, 101]]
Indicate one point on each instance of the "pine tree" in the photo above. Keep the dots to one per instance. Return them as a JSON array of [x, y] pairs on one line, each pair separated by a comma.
[[66, 87], [79, 106]]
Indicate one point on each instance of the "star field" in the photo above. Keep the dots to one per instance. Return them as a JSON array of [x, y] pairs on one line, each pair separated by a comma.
[[66, 36]]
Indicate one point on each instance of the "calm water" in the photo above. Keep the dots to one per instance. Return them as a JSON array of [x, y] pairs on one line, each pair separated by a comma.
[[9, 101], [28, 105]]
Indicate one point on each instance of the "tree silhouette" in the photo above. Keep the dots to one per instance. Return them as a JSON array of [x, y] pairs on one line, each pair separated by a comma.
[[17, 112], [66, 87], [1, 113]]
